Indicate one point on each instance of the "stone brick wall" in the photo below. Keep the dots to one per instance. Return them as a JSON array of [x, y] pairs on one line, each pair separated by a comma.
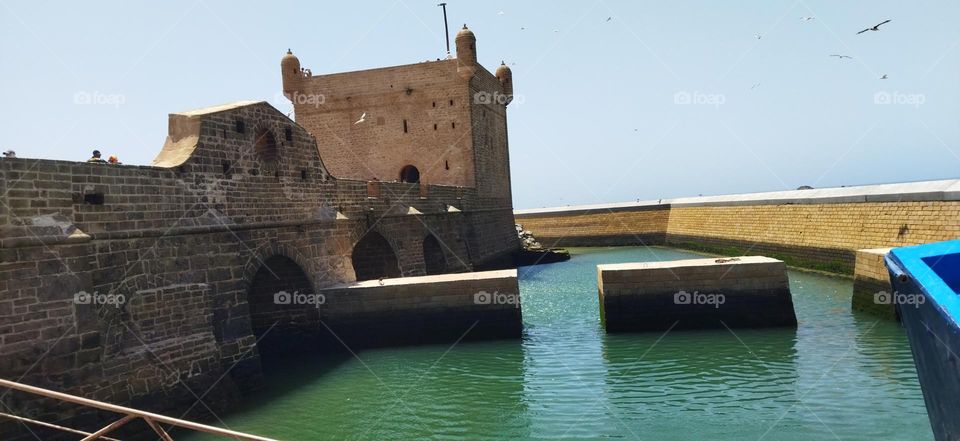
[[870, 280], [643, 226], [183, 242], [816, 230]]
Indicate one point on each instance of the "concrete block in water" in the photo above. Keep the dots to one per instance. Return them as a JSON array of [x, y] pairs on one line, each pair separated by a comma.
[[872, 292], [739, 292], [428, 309]]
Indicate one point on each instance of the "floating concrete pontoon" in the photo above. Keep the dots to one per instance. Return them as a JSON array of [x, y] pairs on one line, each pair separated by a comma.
[[737, 292], [441, 308]]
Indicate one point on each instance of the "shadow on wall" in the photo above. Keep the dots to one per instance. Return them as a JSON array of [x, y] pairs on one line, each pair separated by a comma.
[[373, 258]]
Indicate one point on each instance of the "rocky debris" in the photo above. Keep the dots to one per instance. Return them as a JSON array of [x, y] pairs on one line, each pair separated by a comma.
[[533, 253]]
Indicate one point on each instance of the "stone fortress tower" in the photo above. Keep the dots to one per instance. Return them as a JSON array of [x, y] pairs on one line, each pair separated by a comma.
[[438, 122]]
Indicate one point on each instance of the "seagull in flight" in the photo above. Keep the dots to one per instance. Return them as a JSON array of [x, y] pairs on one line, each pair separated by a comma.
[[362, 118], [875, 28], [807, 18], [609, 18], [884, 77], [754, 86], [841, 56], [758, 36]]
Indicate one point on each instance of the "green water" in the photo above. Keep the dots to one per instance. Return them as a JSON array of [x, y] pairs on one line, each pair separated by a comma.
[[840, 375]]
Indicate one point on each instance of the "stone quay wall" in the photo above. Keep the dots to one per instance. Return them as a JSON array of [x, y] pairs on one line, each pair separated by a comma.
[[818, 228], [739, 292], [147, 285]]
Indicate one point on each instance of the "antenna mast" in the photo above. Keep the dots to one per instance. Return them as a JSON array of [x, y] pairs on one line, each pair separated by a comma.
[[446, 29]]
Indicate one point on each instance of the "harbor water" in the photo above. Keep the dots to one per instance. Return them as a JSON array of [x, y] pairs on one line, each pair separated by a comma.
[[839, 375]]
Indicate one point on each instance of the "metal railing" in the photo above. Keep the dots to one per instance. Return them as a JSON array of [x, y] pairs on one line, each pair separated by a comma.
[[152, 419]]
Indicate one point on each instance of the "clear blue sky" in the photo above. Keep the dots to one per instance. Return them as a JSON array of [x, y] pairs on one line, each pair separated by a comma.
[[597, 117]]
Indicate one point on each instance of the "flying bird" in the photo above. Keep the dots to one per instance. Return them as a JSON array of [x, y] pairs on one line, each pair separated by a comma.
[[758, 36], [807, 18], [875, 28], [883, 77], [754, 86], [362, 118], [609, 18], [841, 56]]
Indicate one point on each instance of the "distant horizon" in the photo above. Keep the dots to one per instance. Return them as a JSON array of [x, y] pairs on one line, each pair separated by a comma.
[[615, 101]]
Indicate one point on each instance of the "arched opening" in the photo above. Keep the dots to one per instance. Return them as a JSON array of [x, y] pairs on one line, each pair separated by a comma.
[[373, 258], [282, 318], [266, 147], [433, 258], [409, 174]]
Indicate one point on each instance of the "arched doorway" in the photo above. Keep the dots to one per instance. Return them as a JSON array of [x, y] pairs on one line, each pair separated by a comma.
[[373, 258], [281, 322], [433, 258], [409, 174]]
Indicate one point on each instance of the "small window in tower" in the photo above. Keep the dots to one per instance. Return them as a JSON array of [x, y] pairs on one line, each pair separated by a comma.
[[434, 104], [409, 174], [404, 126], [303, 174], [446, 164], [451, 102], [288, 134], [239, 126], [453, 125], [434, 127]]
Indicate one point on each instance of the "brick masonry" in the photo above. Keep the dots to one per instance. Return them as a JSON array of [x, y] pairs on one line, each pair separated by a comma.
[[815, 232], [872, 291], [741, 292], [236, 189]]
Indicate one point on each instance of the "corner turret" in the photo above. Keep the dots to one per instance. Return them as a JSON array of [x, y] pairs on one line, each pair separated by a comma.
[[290, 70], [466, 53], [505, 75]]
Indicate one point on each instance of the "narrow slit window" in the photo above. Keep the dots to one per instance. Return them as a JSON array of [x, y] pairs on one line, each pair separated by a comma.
[[404, 126]]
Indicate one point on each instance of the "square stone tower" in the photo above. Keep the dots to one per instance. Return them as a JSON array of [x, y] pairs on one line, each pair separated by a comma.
[[440, 122]]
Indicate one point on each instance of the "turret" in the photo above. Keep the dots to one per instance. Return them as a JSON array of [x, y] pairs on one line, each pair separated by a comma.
[[505, 75], [290, 69], [466, 53]]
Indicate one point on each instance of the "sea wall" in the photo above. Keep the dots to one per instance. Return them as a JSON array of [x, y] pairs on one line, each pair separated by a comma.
[[817, 228]]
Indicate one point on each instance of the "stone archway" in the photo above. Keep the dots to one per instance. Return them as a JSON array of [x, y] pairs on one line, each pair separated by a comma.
[[433, 258], [374, 258], [281, 318]]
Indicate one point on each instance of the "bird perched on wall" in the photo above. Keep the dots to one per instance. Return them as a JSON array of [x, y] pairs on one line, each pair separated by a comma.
[[10, 154], [362, 118], [875, 28], [841, 56]]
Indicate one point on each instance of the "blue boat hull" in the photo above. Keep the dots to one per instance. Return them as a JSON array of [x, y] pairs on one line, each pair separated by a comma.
[[926, 279]]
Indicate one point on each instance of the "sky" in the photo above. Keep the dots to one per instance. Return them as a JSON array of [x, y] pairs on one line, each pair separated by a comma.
[[614, 100]]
